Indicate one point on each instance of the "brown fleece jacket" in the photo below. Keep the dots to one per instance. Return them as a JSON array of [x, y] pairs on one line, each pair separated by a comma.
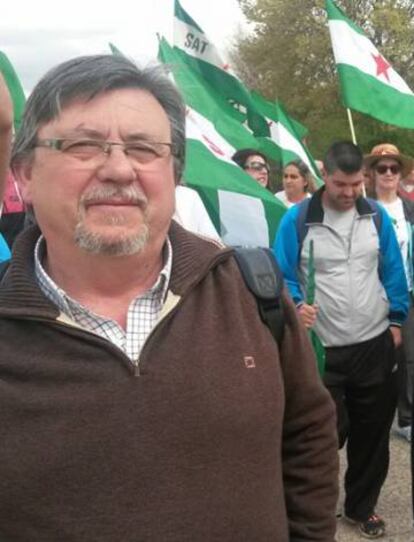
[[220, 437]]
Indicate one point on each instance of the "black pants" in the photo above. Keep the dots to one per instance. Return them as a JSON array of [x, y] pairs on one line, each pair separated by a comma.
[[362, 380]]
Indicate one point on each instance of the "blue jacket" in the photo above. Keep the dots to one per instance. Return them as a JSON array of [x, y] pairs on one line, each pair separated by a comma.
[[4, 250], [360, 287]]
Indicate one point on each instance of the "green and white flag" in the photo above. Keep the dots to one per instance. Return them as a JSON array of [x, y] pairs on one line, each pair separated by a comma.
[[368, 82], [15, 89], [284, 143], [243, 212], [115, 50], [197, 50]]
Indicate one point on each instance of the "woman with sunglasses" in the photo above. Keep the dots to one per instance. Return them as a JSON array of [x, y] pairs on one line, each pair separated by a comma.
[[298, 183], [255, 164], [386, 166]]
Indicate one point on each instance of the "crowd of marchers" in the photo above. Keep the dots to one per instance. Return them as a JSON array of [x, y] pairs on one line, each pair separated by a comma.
[[142, 396]]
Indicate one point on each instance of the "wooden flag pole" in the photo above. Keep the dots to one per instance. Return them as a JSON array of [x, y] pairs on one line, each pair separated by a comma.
[[354, 141], [351, 126]]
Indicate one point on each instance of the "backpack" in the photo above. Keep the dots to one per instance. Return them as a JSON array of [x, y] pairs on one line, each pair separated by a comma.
[[265, 280]]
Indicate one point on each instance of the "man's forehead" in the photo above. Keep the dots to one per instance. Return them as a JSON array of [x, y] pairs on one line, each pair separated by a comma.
[[133, 106], [340, 176], [129, 99]]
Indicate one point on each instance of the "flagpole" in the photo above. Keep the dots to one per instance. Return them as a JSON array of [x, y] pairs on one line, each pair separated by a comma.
[[351, 126], [354, 141]]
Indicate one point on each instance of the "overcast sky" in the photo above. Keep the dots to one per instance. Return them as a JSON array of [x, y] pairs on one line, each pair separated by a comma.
[[38, 34]]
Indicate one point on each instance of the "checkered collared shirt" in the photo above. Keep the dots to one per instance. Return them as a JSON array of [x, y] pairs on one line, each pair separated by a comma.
[[143, 312]]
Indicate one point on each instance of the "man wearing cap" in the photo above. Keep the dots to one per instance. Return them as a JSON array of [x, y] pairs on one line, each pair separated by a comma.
[[387, 166], [361, 301]]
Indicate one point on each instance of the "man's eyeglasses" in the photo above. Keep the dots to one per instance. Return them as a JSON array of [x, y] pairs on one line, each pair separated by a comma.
[[257, 166], [382, 168], [93, 151]]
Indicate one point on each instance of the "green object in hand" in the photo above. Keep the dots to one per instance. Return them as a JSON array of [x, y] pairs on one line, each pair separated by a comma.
[[310, 300]]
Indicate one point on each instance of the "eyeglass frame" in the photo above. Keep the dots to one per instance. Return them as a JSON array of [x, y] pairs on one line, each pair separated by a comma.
[[382, 169], [105, 146], [254, 166]]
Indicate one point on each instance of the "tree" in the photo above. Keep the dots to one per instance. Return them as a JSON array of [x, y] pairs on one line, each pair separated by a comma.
[[288, 56]]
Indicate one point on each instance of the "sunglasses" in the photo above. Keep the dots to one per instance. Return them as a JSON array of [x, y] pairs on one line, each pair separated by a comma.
[[257, 166], [382, 168]]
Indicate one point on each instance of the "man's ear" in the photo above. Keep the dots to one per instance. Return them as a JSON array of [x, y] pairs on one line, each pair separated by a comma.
[[23, 174]]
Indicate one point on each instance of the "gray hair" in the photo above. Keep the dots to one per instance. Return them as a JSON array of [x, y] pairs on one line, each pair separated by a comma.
[[84, 78]]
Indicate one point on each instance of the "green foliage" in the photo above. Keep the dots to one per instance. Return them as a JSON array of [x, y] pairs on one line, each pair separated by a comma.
[[288, 56]]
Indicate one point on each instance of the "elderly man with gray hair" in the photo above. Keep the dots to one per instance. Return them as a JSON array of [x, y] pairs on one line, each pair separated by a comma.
[[141, 396]]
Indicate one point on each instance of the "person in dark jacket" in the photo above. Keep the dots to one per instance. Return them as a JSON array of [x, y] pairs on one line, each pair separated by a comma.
[[141, 395]]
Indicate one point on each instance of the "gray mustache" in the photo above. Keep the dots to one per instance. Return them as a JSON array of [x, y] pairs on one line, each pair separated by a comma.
[[126, 194]]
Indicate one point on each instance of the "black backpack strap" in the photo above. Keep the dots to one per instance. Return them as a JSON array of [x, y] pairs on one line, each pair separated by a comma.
[[264, 279], [377, 216], [301, 226]]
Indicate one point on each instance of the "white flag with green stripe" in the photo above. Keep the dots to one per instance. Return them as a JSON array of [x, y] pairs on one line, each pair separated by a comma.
[[189, 37], [369, 84], [243, 212], [196, 49], [284, 143]]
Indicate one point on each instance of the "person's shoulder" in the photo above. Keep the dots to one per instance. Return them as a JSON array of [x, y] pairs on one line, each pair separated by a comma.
[[408, 206], [299, 209], [194, 248], [370, 206]]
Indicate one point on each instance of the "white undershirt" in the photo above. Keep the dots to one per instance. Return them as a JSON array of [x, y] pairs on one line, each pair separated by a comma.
[[341, 221], [396, 212], [283, 198]]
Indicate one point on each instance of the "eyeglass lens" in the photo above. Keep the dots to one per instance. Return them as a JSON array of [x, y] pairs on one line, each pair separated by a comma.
[[382, 168], [257, 166]]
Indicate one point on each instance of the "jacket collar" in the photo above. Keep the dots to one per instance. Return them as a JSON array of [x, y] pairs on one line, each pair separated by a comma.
[[315, 212], [20, 296]]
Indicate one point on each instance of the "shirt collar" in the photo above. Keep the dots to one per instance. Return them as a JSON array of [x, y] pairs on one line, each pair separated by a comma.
[[60, 298]]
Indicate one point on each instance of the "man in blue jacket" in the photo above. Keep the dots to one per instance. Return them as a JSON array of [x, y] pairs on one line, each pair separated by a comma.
[[361, 301]]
